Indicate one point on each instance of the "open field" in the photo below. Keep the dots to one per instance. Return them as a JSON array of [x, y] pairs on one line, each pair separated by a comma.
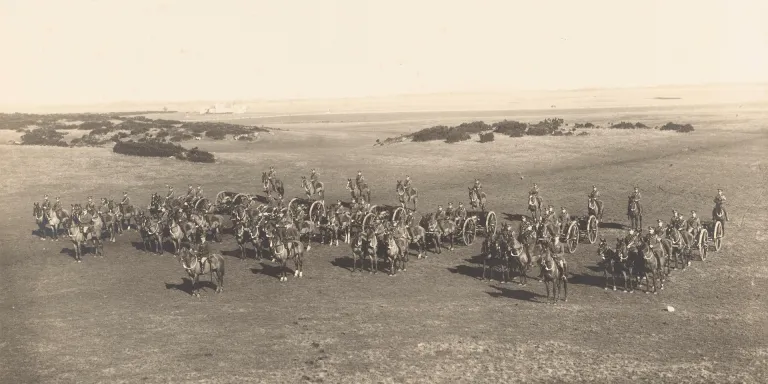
[[128, 317]]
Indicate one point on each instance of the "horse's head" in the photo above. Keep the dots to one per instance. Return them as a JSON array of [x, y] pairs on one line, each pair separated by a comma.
[[36, 209], [399, 187]]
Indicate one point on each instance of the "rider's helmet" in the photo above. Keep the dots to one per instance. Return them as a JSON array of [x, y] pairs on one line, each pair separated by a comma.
[[719, 191], [651, 230], [461, 204], [674, 213], [562, 209], [46, 197], [359, 173], [594, 188], [90, 198], [693, 213], [637, 189], [439, 207]]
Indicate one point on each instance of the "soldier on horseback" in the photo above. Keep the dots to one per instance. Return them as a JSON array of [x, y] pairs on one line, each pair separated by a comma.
[[635, 197], [564, 219], [631, 239], [314, 177], [478, 187], [203, 252], [660, 230], [126, 200], [440, 216], [190, 193], [199, 191], [460, 215], [46, 204], [595, 196], [407, 183], [719, 203], [272, 173], [359, 179], [450, 212], [535, 193], [169, 195], [90, 207], [693, 225], [676, 220], [57, 205]]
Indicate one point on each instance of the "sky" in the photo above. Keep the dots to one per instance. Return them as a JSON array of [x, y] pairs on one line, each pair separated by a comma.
[[90, 51]]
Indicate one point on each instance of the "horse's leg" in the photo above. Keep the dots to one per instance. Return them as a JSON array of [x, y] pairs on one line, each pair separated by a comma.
[[194, 285]]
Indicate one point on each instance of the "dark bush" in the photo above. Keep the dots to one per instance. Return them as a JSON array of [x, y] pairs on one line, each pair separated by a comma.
[[245, 138], [162, 133], [216, 134], [473, 127], [540, 130], [44, 136], [486, 137], [198, 156], [583, 133], [155, 148], [181, 136], [95, 125], [558, 133], [682, 128], [510, 128], [628, 125], [456, 135], [584, 125], [569, 133]]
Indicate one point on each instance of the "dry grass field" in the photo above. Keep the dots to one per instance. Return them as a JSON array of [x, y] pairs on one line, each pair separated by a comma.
[[129, 317]]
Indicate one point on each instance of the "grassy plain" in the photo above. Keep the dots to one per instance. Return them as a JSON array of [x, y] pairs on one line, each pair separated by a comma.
[[129, 318]]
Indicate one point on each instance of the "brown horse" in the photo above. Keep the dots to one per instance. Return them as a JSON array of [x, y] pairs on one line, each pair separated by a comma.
[[534, 206], [281, 252], [407, 195], [359, 191], [634, 215], [358, 251], [491, 254], [151, 232], [196, 266], [272, 185], [79, 238], [329, 227], [476, 198], [555, 273], [647, 265], [313, 188], [438, 231]]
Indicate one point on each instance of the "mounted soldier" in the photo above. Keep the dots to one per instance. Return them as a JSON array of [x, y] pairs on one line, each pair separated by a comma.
[[407, 182], [199, 192], [359, 179], [535, 193], [693, 225], [661, 229], [676, 220], [90, 207], [635, 197], [272, 174], [126, 200], [478, 187], [57, 205], [719, 203], [631, 239], [314, 177], [440, 216], [46, 204], [169, 195], [461, 214], [190, 193], [564, 219], [450, 212], [595, 196], [203, 253]]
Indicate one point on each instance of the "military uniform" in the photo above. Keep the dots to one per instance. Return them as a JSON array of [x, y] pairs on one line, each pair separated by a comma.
[[461, 214], [407, 183], [203, 254], [693, 225], [565, 219], [719, 202], [359, 179], [449, 212], [199, 191], [46, 204], [90, 207], [314, 177], [126, 201], [635, 196], [57, 206], [169, 195], [595, 195]]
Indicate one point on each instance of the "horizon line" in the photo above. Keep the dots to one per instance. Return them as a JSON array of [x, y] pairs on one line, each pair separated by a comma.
[[393, 95]]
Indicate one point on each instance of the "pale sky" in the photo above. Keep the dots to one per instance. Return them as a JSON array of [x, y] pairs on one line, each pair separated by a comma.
[[90, 51]]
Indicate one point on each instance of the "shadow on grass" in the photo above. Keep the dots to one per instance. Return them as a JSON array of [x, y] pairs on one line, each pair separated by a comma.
[[589, 280], [186, 285], [607, 225], [271, 270], [517, 294]]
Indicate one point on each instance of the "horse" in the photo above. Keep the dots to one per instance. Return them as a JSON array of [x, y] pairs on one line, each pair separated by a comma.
[[358, 251], [175, 235], [329, 226], [370, 250], [476, 198], [595, 208], [718, 214], [359, 190], [438, 232], [610, 263], [313, 188], [417, 235], [516, 255], [407, 195], [491, 254], [655, 245], [281, 253], [214, 223], [534, 206], [680, 247], [127, 213], [307, 228], [272, 185], [554, 272], [626, 265], [648, 266], [213, 264], [151, 233], [345, 225], [79, 237], [634, 215], [393, 248], [111, 223], [52, 221]]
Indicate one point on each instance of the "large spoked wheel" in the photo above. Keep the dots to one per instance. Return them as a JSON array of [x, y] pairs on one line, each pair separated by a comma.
[[202, 204], [592, 227], [399, 215], [469, 231], [572, 240], [224, 201], [490, 224], [373, 209], [702, 243], [717, 236], [316, 211], [368, 221], [240, 198]]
